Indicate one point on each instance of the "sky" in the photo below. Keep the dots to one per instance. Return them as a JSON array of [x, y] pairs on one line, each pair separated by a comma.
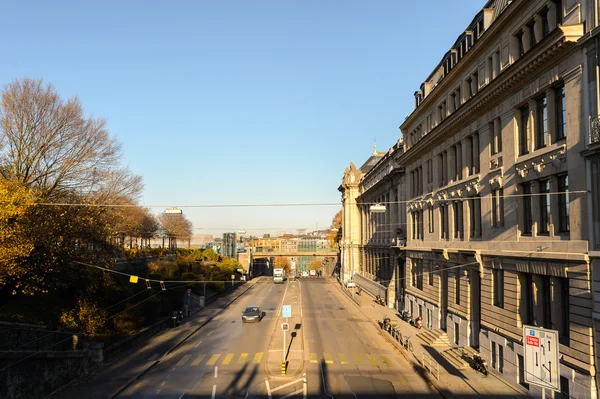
[[238, 102]]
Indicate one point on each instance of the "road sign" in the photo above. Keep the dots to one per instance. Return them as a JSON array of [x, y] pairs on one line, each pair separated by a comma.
[[286, 311], [285, 326], [233, 276], [293, 265], [541, 357]]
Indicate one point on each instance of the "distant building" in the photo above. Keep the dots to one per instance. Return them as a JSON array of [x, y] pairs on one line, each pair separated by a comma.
[[229, 245]]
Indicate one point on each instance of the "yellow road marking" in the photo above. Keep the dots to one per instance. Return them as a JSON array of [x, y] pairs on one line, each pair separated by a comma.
[[313, 357], [213, 359], [228, 358], [198, 360], [243, 358], [357, 358], [387, 361], [183, 360], [372, 359], [257, 357], [343, 358], [328, 358]]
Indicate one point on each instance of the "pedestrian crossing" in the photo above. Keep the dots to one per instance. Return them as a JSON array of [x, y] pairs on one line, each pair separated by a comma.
[[230, 359]]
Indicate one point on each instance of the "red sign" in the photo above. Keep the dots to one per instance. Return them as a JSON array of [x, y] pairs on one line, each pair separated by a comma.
[[533, 341]]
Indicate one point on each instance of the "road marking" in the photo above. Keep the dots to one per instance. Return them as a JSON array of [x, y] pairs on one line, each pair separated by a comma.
[[268, 388], [216, 371], [210, 332], [243, 358], [198, 360], [198, 344], [213, 359], [372, 359], [183, 360], [228, 358], [313, 357], [343, 358], [257, 357], [327, 357], [214, 392], [162, 384], [387, 361]]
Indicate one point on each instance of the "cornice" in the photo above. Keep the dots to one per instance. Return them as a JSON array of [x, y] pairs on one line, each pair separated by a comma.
[[467, 61], [546, 54]]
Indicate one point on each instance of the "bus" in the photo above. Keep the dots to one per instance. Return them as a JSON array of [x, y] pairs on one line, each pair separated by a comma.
[[278, 276]]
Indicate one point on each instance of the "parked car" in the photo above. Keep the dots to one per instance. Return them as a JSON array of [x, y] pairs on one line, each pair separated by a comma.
[[350, 284], [251, 314]]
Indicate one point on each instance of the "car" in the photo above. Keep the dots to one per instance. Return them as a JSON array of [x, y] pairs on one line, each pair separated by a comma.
[[350, 284], [251, 314]]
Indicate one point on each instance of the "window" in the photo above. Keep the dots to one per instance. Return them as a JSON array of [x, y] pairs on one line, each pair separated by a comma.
[[444, 221], [564, 389], [440, 161], [494, 355], [498, 277], [544, 18], [458, 220], [430, 220], [430, 273], [457, 98], [475, 153], [527, 211], [488, 67], [561, 112], [469, 144], [430, 171], [496, 59], [520, 44], [457, 274], [469, 84], [458, 160], [417, 273], [541, 137], [526, 298], [544, 227], [524, 131], [563, 203], [498, 208], [521, 366], [561, 320], [500, 358], [495, 136], [475, 217], [530, 28]]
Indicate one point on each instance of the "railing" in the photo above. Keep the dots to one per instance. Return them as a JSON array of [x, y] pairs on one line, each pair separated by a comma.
[[594, 130], [431, 365]]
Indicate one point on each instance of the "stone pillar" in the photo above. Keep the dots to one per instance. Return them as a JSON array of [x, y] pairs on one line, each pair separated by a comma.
[[538, 29], [526, 39], [497, 134], [552, 22]]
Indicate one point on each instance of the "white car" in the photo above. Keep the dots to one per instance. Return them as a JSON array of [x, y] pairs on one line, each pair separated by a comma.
[[350, 284]]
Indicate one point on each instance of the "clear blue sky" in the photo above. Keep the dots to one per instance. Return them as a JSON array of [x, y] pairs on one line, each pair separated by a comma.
[[238, 102]]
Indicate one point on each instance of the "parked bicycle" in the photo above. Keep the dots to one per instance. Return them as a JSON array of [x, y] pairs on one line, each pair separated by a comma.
[[407, 344]]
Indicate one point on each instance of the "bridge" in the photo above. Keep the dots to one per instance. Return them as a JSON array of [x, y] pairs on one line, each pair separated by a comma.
[[294, 254]]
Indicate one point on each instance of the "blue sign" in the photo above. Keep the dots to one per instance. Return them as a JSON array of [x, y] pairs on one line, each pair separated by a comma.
[[532, 333], [286, 311]]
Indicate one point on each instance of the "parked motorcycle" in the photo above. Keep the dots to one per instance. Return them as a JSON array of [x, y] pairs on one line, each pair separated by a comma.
[[480, 364], [379, 300], [418, 322], [405, 316], [175, 319], [386, 323]]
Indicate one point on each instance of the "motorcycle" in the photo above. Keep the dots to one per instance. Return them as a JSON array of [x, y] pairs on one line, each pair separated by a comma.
[[405, 316], [480, 364], [379, 300], [386, 323], [418, 322]]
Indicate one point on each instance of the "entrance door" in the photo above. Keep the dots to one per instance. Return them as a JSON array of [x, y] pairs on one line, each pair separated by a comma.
[[444, 313], [475, 283]]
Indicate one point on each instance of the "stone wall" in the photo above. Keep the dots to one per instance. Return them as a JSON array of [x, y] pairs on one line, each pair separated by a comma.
[[36, 375]]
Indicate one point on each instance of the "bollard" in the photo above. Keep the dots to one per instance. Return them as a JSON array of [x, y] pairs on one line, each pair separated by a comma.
[[283, 367]]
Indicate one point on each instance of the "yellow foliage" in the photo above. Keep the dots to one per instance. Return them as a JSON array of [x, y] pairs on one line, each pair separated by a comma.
[[87, 317], [15, 245]]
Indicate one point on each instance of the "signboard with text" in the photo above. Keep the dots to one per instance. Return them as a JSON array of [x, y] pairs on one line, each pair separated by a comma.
[[286, 311], [541, 353]]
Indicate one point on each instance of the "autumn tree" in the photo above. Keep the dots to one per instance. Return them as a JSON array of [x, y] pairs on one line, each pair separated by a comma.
[[316, 264], [333, 233], [282, 262], [175, 227]]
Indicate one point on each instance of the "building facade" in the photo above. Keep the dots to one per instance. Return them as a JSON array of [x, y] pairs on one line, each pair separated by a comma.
[[229, 245], [501, 158]]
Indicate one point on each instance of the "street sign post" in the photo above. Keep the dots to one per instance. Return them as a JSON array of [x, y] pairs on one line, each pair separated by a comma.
[[286, 311], [541, 353]]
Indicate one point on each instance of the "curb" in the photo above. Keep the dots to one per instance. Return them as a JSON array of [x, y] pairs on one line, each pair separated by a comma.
[[156, 362], [415, 365]]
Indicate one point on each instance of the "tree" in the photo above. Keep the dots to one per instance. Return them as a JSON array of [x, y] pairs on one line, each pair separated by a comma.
[[175, 227], [282, 262], [316, 264], [47, 144], [15, 244], [333, 233]]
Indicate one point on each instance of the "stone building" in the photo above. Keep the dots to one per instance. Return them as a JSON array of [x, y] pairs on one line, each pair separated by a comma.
[[502, 205]]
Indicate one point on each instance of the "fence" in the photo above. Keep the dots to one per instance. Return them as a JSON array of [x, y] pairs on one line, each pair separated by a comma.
[[430, 365]]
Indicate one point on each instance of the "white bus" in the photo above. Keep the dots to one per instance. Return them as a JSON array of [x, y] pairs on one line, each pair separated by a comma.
[[278, 276]]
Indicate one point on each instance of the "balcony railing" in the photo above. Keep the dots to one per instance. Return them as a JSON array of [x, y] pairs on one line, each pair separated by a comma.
[[595, 130]]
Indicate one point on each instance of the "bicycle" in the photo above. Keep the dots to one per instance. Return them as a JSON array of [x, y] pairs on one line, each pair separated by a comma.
[[407, 344]]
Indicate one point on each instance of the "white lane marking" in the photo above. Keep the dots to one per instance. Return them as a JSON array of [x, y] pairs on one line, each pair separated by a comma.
[[247, 393], [199, 381], [182, 395], [216, 371], [214, 392], [198, 344], [268, 388]]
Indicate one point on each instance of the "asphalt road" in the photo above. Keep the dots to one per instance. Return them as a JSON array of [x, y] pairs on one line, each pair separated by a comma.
[[344, 354]]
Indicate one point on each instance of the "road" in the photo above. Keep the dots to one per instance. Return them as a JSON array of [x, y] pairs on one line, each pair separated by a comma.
[[344, 354]]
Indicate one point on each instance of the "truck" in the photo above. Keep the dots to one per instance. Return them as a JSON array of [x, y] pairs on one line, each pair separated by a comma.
[[278, 276]]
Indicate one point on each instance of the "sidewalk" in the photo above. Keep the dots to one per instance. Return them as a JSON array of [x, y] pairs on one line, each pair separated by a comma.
[[453, 383], [109, 380]]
